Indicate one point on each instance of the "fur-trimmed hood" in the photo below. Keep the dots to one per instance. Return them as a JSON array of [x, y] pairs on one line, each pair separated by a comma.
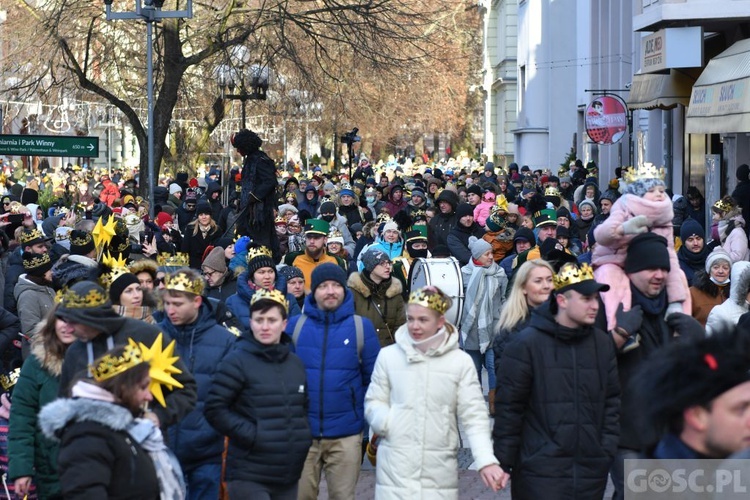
[[355, 283], [55, 416], [48, 362], [740, 280]]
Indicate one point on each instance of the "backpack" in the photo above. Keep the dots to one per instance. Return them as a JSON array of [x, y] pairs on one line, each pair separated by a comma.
[[358, 328]]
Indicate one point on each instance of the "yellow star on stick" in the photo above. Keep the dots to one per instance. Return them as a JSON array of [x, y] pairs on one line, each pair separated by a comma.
[[103, 233], [162, 363]]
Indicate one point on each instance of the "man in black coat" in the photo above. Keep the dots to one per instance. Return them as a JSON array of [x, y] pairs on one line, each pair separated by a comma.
[[86, 307], [557, 408], [258, 195], [741, 193]]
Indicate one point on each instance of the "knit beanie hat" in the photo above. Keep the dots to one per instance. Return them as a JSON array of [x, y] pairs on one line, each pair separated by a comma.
[[69, 269], [163, 218], [372, 257], [647, 251], [562, 232], [526, 234], [119, 285], [717, 254], [203, 207], [258, 257], [478, 246], [36, 264], [291, 272], [642, 186], [174, 188], [463, 210], [327, 272], [327, 207], [588, 202], [215, 260], [689, 228], [474, 188], [495, 222], [390, 226], [418, 192]]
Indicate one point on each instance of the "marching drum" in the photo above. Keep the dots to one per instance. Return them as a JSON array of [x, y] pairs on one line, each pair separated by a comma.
[[444, 274]]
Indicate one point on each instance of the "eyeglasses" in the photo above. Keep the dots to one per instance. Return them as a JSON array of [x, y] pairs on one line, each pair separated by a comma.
[[207, 274]]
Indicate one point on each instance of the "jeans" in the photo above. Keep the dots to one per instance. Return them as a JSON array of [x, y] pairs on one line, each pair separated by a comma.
[[488, 361], [203, 482], [617, 472], [341, 460], [243, 490]]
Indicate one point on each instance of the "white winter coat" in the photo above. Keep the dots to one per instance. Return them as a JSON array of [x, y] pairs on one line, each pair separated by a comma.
[[725, 316], [414, 403]]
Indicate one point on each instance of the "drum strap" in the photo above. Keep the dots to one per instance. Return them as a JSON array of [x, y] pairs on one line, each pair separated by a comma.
[[377, 308], [359, 331]]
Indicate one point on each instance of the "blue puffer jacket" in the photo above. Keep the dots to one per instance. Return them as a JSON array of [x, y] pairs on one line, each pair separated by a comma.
[[202, 346], [239, 303], [336, 380]]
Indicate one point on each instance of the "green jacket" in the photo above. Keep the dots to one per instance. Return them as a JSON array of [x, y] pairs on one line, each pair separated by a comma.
[[29, 452], [389, 314]]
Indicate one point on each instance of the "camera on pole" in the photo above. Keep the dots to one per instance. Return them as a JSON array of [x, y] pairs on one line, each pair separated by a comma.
[[349, 139]]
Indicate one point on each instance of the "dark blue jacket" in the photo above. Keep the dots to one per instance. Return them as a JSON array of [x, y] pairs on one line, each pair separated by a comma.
[[671, 446], [239, 303], [201, 346], [336, 379]]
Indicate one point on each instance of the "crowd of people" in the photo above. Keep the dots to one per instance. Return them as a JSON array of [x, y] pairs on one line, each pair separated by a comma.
[[187, 347]]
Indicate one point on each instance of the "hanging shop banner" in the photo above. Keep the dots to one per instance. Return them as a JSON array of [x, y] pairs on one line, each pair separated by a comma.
[[607, 119]]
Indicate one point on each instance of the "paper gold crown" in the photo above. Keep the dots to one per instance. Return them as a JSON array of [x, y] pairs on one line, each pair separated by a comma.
[[110, 366], [723, 206], [93, 298], [551, 191], [116, 273], [274, 295], [9, 380], [259, 251], [37, 261], [27, 236], [177, 260], [570, 274], [181, 282], [645, 171], [432, 301]]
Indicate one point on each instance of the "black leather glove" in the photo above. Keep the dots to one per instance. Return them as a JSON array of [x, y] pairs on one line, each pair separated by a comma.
[[685, 326], [631, 320]]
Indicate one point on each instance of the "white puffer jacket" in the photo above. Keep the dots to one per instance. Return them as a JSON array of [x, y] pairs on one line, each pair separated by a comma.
[[414, 403]]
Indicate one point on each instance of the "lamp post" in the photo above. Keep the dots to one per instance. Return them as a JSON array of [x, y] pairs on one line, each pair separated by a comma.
[[149, 11], [229, 76]]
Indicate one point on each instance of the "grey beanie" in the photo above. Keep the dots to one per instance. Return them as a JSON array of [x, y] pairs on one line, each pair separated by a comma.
[[478, 246], [372, 257]]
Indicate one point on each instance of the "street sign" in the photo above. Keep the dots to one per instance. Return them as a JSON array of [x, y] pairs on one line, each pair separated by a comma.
[[49, 145]]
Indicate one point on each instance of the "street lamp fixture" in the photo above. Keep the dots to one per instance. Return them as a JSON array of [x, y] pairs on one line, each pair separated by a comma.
[[151, 12], [231, 77]]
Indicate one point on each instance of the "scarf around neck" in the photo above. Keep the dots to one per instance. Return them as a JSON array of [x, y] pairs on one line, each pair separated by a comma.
[[484, 302]]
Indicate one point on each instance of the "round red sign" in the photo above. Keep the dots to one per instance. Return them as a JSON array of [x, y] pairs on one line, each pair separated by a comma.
[[606, 119]]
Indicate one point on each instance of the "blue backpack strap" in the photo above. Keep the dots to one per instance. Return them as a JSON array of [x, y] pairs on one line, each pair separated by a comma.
[[359, 329]]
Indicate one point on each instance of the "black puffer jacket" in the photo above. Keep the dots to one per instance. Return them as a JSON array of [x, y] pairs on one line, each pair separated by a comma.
[[259, 400], [458, 241], [441, 224], [556, 416]]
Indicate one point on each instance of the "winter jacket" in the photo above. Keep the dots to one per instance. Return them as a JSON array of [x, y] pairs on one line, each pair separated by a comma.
[[13, 271], [415, 403], [458, 241], [392, 250], [703, 298], [259, 400], [216, 206], [382, 304], [482, 211], [184, 216], [239, 303], [34, 302], [179, 401], [227, 288], [440, 225], [724, 317], [734, 240], [307, 264], [109, 194], [312, 206], [556, 412], [195, 244], [612, 248], [393, 207], [202, 345], [741, 194], [98, 458], [337, 377], [30, 452], [502, 244], [691, 262]]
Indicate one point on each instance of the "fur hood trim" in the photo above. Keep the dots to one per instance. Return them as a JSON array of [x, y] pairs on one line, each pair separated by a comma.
[[48, 362], [355, 282], [55, 416]]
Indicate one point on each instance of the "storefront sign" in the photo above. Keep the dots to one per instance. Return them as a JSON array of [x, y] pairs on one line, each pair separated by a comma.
[[606, 119], [672, 48]]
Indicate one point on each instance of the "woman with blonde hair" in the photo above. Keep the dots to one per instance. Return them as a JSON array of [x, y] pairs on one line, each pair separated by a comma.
[[532, 284]]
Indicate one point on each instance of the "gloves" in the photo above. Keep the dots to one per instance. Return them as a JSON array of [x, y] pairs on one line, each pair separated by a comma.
[[685, 326], [630, 321], [636, 225], [672, 308]]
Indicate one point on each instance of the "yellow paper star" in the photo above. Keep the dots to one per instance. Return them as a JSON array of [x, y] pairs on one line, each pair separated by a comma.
[[103, 233], [162, 363], [114, 263]]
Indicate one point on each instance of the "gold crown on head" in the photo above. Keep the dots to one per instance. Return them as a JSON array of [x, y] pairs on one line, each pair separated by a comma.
[[93, 298], [37, 261], [645, 171], [259, 251], [429, 300], [116, 273], [179, 281], [27, 236], [551, 191], [109, 365], [177, 260], [723, 206], [274, 295], [570, 274], [9, 380]]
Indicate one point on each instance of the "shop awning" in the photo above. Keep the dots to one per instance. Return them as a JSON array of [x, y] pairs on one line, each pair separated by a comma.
[[660, 91], [720, 101]]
